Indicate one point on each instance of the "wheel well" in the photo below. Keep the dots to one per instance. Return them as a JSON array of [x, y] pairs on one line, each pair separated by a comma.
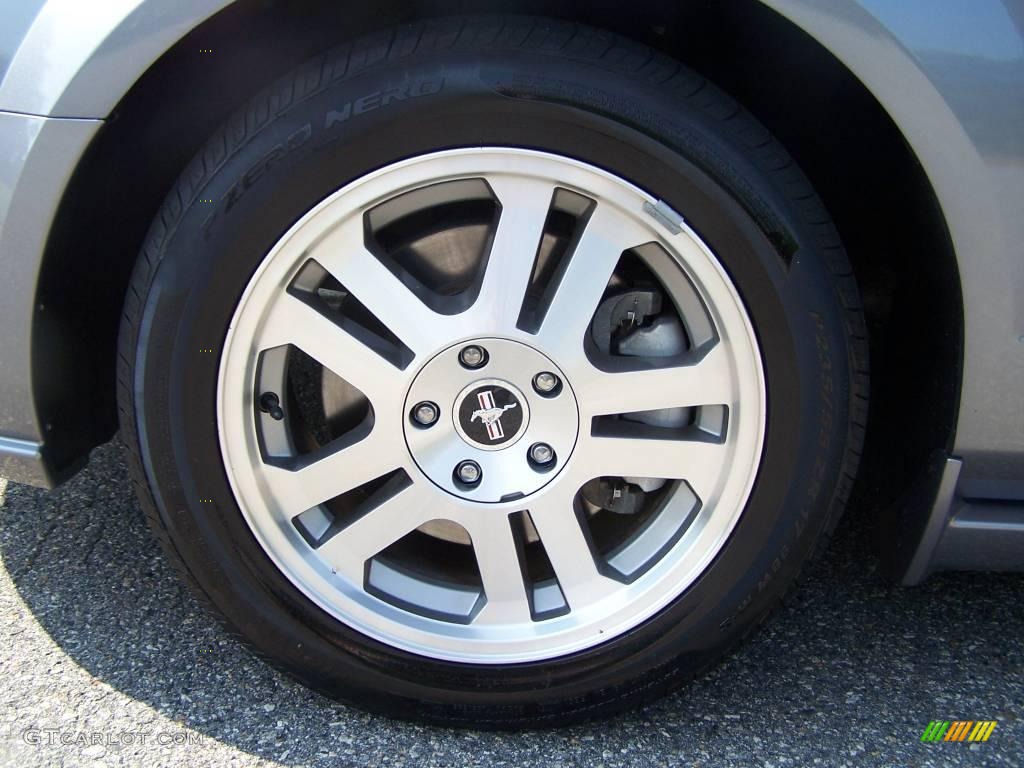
[[858, 161]]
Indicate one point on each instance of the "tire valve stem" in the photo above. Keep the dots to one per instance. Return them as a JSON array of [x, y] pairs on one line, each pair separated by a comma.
[[271, 403]]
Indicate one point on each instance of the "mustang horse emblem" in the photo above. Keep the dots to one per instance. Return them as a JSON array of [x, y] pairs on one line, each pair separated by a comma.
[[490, 414]]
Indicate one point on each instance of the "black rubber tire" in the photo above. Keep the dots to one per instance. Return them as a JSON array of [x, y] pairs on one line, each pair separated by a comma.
[[513, 81]]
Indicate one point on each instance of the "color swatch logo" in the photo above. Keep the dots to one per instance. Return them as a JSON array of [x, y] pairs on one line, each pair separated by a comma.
[[958, 730]]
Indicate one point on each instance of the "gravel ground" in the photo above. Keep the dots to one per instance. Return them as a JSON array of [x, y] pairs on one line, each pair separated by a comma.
[[97, 637]]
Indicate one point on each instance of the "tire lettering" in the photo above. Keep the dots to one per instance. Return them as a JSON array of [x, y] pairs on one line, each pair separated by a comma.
[[378, 99]]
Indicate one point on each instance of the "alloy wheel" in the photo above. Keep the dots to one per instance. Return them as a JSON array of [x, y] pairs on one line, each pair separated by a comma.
[[491, 405]]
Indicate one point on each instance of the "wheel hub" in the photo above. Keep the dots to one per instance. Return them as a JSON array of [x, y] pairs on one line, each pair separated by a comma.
[[495, 415]]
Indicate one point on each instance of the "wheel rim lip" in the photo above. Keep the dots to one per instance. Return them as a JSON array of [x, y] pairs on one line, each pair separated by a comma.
[[593, 624]]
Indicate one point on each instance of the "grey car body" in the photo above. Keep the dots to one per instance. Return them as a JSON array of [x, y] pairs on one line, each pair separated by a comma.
[[949, 76]]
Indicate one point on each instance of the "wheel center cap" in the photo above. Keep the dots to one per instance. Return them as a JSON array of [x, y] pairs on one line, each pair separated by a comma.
[[492, 434], [491, 414]]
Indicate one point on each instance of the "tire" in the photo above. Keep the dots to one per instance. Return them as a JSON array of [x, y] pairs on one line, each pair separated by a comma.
[[570, 92]]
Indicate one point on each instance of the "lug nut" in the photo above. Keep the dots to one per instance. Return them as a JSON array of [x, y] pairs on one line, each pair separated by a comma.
[[541, 454], [473, 356], [425, 414], [468, 472], [545, 383]]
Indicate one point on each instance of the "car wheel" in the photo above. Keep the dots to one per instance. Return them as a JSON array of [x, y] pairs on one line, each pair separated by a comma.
[[492, 371]]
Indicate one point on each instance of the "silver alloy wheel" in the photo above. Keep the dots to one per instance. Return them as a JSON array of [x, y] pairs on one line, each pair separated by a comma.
[[595, 595]]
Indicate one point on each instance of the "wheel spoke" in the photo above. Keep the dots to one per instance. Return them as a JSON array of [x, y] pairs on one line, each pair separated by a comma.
[[606, 236], [524, 209], [705, 382], [568, 548], [697, 461], [344, 254], [348, 550], [323, 478], [293, 321], [501, 571]]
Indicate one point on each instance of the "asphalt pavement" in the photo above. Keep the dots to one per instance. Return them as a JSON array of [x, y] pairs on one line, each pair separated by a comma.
[[106, 660]]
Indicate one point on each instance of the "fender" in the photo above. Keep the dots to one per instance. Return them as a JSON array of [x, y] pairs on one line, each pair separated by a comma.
[[92, 53], [936, 103]]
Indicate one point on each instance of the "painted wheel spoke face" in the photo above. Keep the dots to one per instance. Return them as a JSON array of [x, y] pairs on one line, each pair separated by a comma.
[[524, 208], [294, 321], [383, 522], [606, 235], [499, 558], [481, 406], [706, 380], [318, 478], [343, 253], [559, 523]]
